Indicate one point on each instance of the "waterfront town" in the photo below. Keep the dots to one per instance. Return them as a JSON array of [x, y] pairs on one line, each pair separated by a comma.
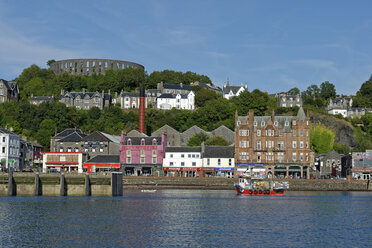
[[274, 145]]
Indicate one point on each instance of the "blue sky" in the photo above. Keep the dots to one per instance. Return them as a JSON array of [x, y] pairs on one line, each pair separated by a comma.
[[272, 45]]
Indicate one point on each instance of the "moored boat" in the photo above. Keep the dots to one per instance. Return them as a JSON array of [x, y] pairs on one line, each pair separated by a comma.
[[248, 186]]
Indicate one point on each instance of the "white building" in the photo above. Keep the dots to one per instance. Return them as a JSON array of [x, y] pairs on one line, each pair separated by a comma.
[[63, 162], [182, 161], [336, 111], [10, 146], [218, 161], [231, 91], [168, 101]]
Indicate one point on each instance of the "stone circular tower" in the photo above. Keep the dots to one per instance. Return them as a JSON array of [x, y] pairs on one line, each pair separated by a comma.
[[91, 66]]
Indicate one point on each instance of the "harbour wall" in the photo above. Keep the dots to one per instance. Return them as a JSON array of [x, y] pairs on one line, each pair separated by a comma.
[[35, 184], [228, 183]]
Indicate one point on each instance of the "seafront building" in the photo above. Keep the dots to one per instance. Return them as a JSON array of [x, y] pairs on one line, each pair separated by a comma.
[[218, 161], [267, 146], [362, 165], [71, 162], [142, 156], [102, 163], [10, 146], [183, 161]]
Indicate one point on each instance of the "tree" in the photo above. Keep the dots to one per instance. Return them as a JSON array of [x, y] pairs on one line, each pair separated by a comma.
[[363, 97], [51, 61], [203, 95], [197, 139], [294, 91], [46, 130], [216, 141], [321, 138], [327, 90]]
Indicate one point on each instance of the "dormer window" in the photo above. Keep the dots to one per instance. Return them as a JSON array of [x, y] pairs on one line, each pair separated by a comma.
[[154, 142], [142, 142], [287, 123], [262, 123], [276, 123], [294, 123], [255, 123], [129, 142]]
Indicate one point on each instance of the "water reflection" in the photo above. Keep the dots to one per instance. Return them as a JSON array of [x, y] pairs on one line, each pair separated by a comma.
[[188, 218]]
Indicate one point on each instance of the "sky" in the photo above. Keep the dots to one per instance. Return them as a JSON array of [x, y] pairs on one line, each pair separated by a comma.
[[270, 45]]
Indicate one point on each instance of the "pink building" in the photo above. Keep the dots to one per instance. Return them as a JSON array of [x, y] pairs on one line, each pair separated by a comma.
[[142, 156]]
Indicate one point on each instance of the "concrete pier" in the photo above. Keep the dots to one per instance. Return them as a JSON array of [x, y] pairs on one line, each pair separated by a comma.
[[53, 184]]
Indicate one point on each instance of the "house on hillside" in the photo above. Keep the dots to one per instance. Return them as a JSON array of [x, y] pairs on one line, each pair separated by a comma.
[[229, 91], [8, 91]]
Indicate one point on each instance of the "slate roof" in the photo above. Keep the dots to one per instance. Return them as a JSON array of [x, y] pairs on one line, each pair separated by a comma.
[[183, 149], [96, 136], [130, 94], [301, 114], [135, 133], [73, 137], [280, 119], [176, 86], [82, 95], [104, 159], [233, 88], [136, 141], [218, 152], [43, 98], [69, 131], [6, 131], [169, 95]]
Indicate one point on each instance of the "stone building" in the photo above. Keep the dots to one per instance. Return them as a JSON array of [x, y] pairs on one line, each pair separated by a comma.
[[85, 100], [130, 100], [76, 133], [37, 100], [285, 100], [142, 156], [273, 145], [362, 165], [229, 91], [91, 66], [176, 138], [328, 165], [8, 91]]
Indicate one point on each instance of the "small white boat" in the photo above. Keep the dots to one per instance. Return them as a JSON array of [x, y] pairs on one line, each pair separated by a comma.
[[148, 190]]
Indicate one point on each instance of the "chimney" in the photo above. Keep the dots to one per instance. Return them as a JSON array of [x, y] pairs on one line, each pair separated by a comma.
[[141, 119], [236, 117], [202, 148], [272, 115], [181, 85], [84, 90], [251, 116]]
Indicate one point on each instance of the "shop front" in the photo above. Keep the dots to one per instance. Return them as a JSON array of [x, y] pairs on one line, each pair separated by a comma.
[[224, 172], [290, 171], [101, 167], [252, 170], [141, 170], [362, 173], [182, 172]]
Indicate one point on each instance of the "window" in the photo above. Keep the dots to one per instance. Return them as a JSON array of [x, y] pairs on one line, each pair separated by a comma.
[[61, 149], [243, 132], [294, 156], [142, 153], [294, 123], [170, 163], [197, 155], [307, 157], [275, 123], [258, 157], [208, 161], [255, 123], [269, 156], [3, 149], [280, 132], [193, 163], [171, 155], [219, 161], [294, 132], [182, 155], [301, 156], [93, 149], [243, 143], [76, 149], [129, 153], [182, 163], [258, 145], [262, 123], [243, 156], [286, 123], [302, 133], [129, 160], [142, 142], [280, 156], [301, 144], [307, 144], [281, 144], [3, 139], [307, 123], [154, 142], [230, 162], [294, 144], [129, 142], [96, 99], [69, 149], [193, 155], [307, 133], [154, 153], [142, 160], [258, 132], [189, 156], [154, 160]]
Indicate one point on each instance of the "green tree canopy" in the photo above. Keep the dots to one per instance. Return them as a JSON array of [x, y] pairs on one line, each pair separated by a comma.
[[197, 139], [216, 141], [46, 130], [321, 138], [327, 90], [294, 91]]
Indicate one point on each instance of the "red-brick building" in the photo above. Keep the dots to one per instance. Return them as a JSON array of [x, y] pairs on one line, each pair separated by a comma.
[[273, 145]]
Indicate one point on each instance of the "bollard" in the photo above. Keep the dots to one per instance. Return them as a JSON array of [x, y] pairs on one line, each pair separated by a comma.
[[10, 183], [37, 184], [62, 184], [87, 185]]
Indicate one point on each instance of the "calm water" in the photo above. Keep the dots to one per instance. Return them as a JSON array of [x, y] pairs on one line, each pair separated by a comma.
[[189, 218]]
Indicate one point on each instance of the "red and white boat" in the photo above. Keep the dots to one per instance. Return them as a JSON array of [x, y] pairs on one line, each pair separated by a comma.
[[260, 187]]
